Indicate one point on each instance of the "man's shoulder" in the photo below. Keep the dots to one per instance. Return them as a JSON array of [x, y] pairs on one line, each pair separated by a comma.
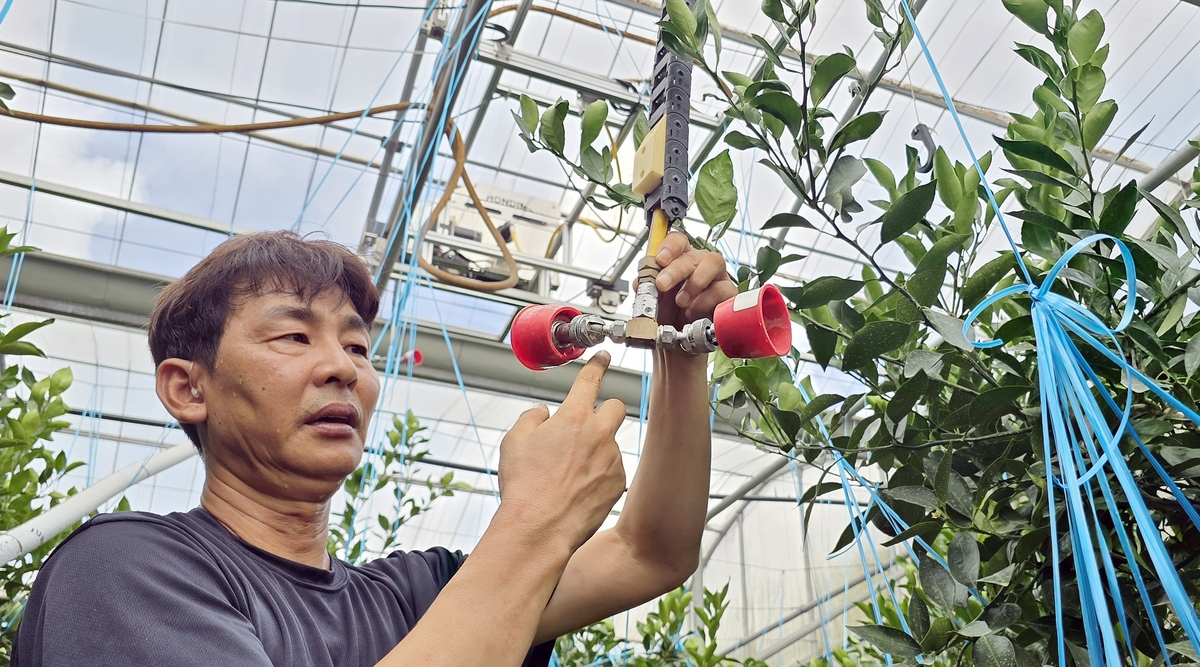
[[436, 565], [127, 538]]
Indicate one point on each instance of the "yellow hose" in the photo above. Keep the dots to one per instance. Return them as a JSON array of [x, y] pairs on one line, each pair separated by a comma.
[[659, 226]]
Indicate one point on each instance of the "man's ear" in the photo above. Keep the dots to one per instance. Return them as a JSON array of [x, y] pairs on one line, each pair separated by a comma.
[[177, 383]]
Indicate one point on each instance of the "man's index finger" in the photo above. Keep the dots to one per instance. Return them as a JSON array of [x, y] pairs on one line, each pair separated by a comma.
[[586, 388]]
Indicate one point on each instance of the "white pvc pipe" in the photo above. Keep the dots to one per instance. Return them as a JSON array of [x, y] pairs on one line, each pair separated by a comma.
[[34, 533], [1182, 157]]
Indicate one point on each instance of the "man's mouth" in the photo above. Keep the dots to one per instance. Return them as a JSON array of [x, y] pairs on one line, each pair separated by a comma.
[[335, 417]]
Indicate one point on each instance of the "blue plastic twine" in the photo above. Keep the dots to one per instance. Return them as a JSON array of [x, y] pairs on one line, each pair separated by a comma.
[[1076, 432], [1073, 415]]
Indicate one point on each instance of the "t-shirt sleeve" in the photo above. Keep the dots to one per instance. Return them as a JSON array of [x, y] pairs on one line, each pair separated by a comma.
[[129, 593]]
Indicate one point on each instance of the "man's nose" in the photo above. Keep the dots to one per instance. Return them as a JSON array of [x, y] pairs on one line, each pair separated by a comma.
[[335, 366]]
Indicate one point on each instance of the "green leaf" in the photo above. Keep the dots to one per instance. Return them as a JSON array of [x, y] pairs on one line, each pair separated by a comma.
[[889, 640], [1186, 649], [963, 558], [1084, 37], [1191, 358], [716, 195], [1036, 151], [714, 26], [1000, 616], [941, 478], [907, 211], [61, 380], [768, 262], [975, 629], [926, 282], [818, 405], [926, 530], [991, 404], [993, 651], [822, 342], [682, 18], [781, 220], [1174, 315], [981, 282], [950, 327], [744, 142], [918, 616], [737, 79], [859, 128], [640, 127], [594, 117], [552, 131], [790, 397], [594, 166], [1118, 212], [939, 586], [823, 290], [529, 115], [1085, 84], [1097, 121], [24, 329], [949, 186], [827, 71], [1037, 177], [1031, 12], [1169, 214], [768, 51], [1039, 219], [907, 396], [1041, 60], [6, 92], [1001, 578], [873, 340], [883, 175], [774, 10], [783, 107], [915, 495], [21, 348], [846, 315], [843, 176], [939, 632]]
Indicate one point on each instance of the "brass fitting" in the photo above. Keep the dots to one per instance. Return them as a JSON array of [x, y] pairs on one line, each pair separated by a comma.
[[648, 270], [641, 332]]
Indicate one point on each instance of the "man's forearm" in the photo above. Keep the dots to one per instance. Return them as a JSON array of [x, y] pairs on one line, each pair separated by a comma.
[[488, 613], [663, 516]]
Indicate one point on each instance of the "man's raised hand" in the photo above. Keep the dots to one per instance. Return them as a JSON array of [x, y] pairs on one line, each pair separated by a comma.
[[692, 282], [564, 472]]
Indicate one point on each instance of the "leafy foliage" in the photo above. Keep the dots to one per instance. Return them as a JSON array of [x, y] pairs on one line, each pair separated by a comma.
[[392, 468], [664, 643], [30, 411], [957, 430]]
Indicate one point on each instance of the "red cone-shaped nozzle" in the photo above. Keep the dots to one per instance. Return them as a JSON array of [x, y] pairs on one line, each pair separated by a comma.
[[754, 325], [533, 337]]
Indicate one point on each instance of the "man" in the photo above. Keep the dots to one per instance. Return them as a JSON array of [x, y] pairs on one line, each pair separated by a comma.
[[262, 356]]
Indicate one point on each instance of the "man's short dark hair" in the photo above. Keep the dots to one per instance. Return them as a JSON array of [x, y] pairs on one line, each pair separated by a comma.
[[190, 314]]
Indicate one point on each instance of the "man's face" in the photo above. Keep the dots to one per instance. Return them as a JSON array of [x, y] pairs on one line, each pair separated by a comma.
[[291, 394]]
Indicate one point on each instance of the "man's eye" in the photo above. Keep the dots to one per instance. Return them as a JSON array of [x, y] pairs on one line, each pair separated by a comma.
[[297, 337], [358, 349]]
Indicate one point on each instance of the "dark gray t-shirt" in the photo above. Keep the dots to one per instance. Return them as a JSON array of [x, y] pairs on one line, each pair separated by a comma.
[[136, 589]]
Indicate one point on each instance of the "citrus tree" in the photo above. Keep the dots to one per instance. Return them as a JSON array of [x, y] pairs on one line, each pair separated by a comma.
[[31, 408], [390, 471], [956, 430]]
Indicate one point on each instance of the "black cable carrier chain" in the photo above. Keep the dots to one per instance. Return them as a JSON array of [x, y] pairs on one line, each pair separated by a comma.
[[670, 103]]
